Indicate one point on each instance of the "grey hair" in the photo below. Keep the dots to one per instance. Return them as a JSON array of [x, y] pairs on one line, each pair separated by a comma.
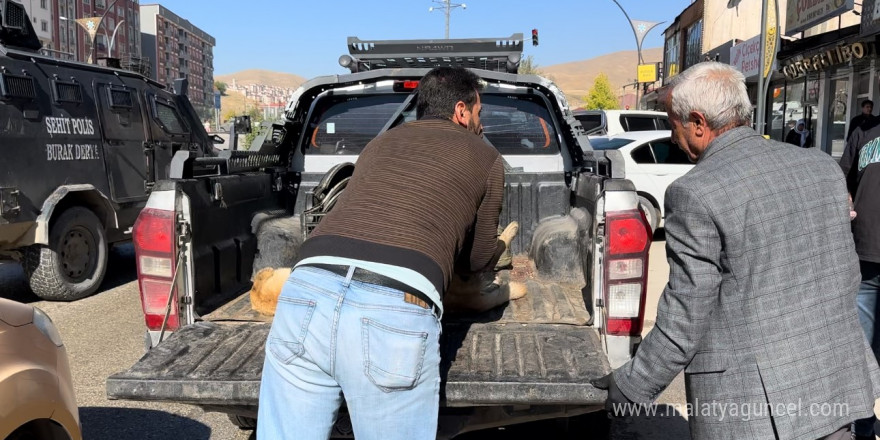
[[716, 90]]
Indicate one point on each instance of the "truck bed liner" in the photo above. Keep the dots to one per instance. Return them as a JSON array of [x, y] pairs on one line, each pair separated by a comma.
[[219, 363], [547, 302]]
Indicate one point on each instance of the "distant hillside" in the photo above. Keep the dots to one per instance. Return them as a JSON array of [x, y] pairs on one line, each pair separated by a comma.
[[264, 77], [233, 103], [576, 78]]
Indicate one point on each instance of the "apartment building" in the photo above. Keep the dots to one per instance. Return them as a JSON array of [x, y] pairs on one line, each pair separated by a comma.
[[40, 12], [55, 23], [179, 49]]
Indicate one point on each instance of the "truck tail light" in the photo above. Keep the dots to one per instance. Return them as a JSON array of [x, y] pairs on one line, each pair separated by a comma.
[[626, 272], [154, 247]]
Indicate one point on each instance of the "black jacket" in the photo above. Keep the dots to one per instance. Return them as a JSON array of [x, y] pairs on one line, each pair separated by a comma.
[[794, 138], [861, 166]]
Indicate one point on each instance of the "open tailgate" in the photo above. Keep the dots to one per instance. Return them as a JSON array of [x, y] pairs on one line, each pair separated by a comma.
[[219, 363]]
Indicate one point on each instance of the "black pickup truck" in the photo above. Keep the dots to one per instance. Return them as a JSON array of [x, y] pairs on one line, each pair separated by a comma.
[[582, 250]]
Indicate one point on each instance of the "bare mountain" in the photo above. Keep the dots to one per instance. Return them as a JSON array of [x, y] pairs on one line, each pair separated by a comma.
[[576, 78], [263, 77]]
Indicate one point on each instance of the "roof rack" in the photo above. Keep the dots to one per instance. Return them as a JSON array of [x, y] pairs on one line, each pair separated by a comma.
[[496, 54]]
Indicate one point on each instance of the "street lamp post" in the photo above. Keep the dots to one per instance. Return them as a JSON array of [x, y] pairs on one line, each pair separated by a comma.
[[448, 7], [640, 30], [94, 32], [94, 46], [769, 40], [113, 38]]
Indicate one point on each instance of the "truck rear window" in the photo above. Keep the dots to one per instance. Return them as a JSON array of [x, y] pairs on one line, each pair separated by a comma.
[[346, 124], [518, 126]]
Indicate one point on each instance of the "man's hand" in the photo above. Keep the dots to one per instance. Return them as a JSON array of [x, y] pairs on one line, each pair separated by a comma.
[[852, 212], [616, 402]]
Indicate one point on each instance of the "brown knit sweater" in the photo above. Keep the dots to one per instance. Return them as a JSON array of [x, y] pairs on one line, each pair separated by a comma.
[[425, 196]]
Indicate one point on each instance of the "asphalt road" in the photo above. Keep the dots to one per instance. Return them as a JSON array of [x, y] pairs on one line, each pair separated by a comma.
[[104, 334]]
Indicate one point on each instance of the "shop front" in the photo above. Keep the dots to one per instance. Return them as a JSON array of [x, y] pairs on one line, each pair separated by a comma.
[[825, 80]]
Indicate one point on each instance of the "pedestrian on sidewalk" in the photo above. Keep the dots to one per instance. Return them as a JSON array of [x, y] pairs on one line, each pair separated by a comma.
[[861, 166], [866, 116], [799, 135]]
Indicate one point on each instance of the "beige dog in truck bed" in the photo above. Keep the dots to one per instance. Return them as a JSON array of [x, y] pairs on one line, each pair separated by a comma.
[[475, 293]]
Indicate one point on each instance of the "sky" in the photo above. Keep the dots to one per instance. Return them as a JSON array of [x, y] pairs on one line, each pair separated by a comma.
[[307, 37]]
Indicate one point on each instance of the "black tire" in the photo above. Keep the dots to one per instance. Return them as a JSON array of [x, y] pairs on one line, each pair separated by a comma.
[[74, 263], [243, 423], [651, 213]]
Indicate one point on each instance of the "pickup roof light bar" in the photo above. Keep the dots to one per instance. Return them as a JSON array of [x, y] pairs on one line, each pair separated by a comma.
[[496, 54]]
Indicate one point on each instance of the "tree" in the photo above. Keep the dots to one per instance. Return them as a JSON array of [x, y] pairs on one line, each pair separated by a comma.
[[256, 115], [528, 66], [221, 86], [601, 97]]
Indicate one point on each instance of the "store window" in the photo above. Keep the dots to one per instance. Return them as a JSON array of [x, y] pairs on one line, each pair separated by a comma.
[[694, 44], [838, 112], [792, 102], [671, 56], [779, 124]]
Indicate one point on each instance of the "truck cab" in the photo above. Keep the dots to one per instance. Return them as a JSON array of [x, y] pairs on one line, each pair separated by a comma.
[[582, 249]]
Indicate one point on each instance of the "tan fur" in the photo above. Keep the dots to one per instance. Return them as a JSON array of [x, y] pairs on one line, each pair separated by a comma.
[[266, 289], [475, 293], [465, 294]]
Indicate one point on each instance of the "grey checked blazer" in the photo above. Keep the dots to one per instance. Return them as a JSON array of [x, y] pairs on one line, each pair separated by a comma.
[[760, 309]]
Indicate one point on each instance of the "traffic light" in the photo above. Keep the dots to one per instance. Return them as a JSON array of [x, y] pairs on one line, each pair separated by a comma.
[[534, 37]]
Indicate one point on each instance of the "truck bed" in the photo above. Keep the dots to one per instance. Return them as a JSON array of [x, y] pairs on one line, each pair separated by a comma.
[[536, 350], [547, 302]]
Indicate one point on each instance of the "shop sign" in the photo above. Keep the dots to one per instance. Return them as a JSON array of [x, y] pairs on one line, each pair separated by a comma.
[[647, 73], [804, 14], [746, 56], [771, 37], [835, 56]]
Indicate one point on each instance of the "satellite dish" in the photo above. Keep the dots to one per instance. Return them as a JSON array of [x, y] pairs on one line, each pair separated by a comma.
[[733, 4]]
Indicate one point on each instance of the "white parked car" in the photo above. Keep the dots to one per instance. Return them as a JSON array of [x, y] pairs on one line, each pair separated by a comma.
[[612, 122], [652, 162]]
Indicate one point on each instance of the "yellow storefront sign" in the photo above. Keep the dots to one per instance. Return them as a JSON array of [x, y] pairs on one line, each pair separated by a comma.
[[647, 73], [770, 42]]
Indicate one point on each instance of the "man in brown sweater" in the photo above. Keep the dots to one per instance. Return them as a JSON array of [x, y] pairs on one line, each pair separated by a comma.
[[360, 314]]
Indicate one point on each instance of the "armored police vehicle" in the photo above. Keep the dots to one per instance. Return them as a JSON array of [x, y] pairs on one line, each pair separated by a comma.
[[81, 147]]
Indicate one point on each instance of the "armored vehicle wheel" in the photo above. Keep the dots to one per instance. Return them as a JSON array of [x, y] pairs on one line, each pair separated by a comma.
[[75, 262]]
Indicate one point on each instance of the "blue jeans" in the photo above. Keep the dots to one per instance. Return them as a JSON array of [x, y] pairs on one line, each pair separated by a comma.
[[867, 303], [332, 337]]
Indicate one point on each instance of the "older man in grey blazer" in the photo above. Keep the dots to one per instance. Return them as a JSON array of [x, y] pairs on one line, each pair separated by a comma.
[[760, 308]]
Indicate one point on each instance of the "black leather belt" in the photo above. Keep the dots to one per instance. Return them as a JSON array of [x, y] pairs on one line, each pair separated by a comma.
[[411, 294]]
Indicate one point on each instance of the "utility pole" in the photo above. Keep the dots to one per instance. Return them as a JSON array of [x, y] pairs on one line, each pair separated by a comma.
[[448, 6], [769, 40]]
